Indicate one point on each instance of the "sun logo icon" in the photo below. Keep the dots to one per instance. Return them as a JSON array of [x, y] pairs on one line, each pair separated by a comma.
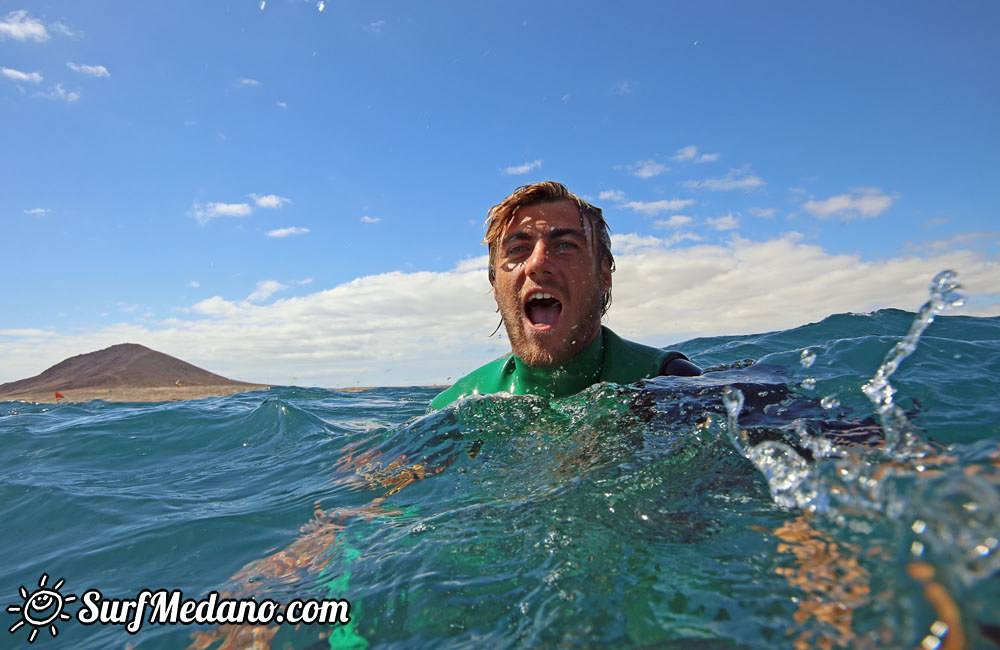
[[43, 607]]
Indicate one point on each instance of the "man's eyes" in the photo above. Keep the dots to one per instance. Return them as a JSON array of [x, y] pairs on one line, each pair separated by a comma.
[[561, 246]]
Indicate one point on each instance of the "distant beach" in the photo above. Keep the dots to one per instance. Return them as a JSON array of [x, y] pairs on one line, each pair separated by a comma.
[[135, 393], [157, 394]]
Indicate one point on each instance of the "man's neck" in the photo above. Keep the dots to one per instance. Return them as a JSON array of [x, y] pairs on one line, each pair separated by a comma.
[[574, 375]]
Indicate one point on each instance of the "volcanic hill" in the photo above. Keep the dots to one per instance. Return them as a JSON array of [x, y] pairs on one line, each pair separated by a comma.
[[125, 367]]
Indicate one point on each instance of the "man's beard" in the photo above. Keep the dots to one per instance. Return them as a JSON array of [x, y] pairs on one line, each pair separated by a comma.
[[537, 349]]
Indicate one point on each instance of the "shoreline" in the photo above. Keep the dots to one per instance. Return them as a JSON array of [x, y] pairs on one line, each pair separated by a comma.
[[156, 394]]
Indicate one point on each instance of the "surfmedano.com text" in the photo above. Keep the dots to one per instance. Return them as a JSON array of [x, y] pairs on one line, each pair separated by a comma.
[[171, 608]]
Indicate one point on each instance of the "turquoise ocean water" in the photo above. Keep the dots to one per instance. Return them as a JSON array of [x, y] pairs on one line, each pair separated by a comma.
[[764, 505]]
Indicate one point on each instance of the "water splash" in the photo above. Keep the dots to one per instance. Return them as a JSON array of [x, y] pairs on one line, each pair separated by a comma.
[[807, 358], [941, 505], [899, 437], [787, 471]]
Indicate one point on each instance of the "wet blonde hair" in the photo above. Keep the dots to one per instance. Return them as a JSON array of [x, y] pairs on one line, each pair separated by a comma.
[[501, 214]]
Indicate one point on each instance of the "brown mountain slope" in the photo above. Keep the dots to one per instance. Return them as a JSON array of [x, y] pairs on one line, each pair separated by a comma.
[[126, 365]]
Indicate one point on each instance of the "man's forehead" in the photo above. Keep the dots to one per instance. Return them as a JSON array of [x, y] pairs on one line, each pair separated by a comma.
[[554, 215]]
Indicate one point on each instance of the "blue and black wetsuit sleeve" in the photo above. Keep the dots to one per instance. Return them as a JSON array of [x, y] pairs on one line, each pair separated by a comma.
[[678, 365]]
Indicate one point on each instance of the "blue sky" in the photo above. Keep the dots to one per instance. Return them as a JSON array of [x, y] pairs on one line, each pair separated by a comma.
[[294, 191]]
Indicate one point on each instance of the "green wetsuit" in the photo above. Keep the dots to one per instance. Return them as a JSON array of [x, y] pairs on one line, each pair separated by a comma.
[[608, 358]]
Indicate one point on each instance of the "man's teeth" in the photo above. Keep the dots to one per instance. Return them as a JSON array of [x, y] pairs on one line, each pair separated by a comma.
[[541, 296]]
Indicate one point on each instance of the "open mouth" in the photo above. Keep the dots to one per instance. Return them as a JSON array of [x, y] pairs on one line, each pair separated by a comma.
[[542, 310]]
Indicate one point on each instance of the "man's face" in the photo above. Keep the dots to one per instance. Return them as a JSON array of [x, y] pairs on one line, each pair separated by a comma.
[[549, 284]]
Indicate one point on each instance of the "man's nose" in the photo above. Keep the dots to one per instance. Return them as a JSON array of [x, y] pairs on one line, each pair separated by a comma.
[[538, 261]]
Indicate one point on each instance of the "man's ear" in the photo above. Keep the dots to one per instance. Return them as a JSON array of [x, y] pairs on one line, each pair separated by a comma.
[[606, 275]]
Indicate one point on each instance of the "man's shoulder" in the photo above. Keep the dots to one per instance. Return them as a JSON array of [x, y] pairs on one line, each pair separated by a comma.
[[482, 380], [626, 362]]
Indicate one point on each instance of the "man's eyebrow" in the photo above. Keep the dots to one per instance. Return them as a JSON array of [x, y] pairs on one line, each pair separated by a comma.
[[517, 236], [555, 233]]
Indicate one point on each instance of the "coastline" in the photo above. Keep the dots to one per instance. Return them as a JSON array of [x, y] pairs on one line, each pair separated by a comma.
[[151, 394]]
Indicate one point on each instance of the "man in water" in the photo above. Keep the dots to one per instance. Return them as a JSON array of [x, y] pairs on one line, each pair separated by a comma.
[[550, 266]]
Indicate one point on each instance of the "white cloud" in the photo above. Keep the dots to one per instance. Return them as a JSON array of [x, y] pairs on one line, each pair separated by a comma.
[[728, 222], [685, 153], [744, 286], [281, 104], [265, 289], [194, 284], [270, 200], [623, 88], [517, 170], [98, 71], [353, 333], [653, 208], [27, 333], [648, 169], [864, 203], [205, 212], [320, 6], [367, 219], [63, 29], [21, 27], [675, 221], [963, 240], [765, 213], [611, 195], [631, 243], [680, 236], [473, 264], [37, 212], [690, 154], [17, 75], [58, 92], [375, 27], [243, 81], [736, 179], [287, 232]]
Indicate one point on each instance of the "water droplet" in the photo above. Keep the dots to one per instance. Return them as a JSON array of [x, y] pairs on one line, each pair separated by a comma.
[[262, 3], [807, 358], [829, 402], [733, 399], [939, 628], [918, 527], [917, 549], [808, 383]]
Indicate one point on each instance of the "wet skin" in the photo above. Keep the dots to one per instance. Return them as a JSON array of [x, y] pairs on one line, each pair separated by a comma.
[[546, 249]]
